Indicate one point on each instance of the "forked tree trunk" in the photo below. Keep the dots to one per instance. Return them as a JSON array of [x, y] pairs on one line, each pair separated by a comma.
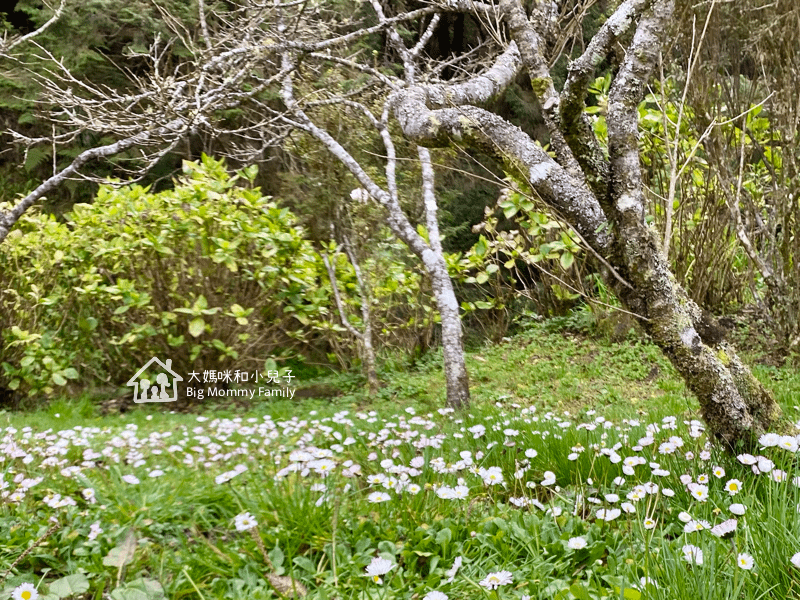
[[733, 402], [603, 200]]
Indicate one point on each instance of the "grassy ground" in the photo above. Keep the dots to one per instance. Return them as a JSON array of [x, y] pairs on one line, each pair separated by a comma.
[[577, 473]]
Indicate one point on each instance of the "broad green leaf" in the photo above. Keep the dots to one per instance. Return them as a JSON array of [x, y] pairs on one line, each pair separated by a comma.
[[481, 247], [509, 210], [70, 585], [444, 536], [197, 327], [139, 589], [305, 563], [276, 556], [579, 591]]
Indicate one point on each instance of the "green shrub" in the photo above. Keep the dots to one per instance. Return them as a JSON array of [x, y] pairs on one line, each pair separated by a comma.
[[210, 275]]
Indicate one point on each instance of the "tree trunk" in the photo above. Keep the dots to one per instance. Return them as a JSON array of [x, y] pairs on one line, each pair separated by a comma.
[[368, 350], [733, 402], [455, 368]]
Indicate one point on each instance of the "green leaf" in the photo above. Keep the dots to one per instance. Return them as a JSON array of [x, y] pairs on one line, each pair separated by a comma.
[[305, 564], [200, 303], [276, 556], [567, 258], [70, 585], [34, 157], [579, 591], [139, 589], [482, 277], [628, 593], [123, 554], [509, 209], [87, 323], [71, 373], [197, 327], [444, 536], [481, 247], [58, 379]]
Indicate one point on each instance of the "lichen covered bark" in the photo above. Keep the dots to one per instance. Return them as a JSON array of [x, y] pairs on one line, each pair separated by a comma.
[[455, 369], [734, 404]]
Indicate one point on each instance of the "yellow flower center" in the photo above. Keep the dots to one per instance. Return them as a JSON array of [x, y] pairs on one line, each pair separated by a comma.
[[26, 595]]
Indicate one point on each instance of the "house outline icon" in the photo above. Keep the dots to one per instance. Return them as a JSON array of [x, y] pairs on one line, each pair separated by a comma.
[[134, 381]]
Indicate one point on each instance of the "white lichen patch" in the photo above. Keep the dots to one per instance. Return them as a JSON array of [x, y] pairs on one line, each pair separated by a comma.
[[627, 202], [620, 26], [689, 336], [539, 172]]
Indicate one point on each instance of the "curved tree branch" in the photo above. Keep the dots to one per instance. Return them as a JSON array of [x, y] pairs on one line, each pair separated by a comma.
[[434, 116], [532, 49], [577, 128]]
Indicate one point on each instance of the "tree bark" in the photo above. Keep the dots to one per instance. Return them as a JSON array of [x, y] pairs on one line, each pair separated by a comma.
[[733, 402], [455, 369]]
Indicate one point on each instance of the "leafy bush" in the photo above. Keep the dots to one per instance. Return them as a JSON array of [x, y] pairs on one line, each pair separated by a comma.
[[209, 274]]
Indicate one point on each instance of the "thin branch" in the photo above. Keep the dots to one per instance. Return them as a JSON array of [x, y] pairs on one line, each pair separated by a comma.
[[6, 46], [201, 11], [337, 297], [425, 37]]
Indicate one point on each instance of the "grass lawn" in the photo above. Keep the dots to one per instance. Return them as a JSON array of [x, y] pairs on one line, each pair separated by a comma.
[[580, 471]]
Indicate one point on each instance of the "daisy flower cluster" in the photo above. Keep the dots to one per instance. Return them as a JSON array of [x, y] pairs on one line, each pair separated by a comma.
[[509, 499]]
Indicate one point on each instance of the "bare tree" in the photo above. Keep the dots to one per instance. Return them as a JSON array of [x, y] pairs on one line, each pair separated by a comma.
[[238, 57], [428, 251], [243, 54]]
